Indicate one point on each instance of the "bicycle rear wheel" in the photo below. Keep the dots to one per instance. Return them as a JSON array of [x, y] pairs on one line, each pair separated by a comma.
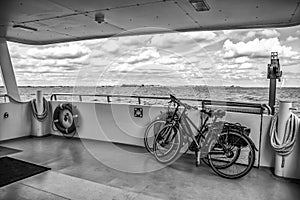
[[151, 131], [167, 144], [232, 156]]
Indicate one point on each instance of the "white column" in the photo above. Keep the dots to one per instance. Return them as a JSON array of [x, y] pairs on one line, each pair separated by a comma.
[[283, 116], [8, 75]]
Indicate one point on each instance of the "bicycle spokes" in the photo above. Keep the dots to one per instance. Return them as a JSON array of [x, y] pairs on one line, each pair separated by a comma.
[[167, 144], [233, 158]]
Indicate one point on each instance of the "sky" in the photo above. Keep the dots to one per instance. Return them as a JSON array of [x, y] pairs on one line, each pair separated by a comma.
[[214, 58]]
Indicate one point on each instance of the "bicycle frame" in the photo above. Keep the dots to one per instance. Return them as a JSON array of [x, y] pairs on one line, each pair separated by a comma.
[[185, 125]]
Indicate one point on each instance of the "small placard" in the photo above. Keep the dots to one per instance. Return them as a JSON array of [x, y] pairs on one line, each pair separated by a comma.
[[138, 112]]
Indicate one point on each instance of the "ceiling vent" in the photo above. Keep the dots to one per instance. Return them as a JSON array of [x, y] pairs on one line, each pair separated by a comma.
[[200, 5]]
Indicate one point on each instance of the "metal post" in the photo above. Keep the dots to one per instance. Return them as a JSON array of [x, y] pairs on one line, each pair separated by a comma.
[[39, 127], [273, 74], [7, 70], [272, 94], [39, 101]]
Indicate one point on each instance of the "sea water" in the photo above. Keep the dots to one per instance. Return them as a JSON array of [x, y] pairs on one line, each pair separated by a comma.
[[236, 94]]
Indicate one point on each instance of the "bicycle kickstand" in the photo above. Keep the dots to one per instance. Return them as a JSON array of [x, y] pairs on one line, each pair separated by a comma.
[[197, 154]]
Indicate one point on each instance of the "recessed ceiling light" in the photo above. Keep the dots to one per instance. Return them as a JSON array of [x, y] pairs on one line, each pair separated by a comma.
[[200, 5], [25, 28], [99, 17]]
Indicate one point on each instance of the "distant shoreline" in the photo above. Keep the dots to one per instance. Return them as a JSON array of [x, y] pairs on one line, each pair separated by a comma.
[[131, 85]]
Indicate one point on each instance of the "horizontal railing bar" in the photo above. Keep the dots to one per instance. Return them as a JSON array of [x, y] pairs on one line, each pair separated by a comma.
[[205, 101]]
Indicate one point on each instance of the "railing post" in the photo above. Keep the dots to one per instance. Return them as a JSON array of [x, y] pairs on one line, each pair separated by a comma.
[[108, 99], [80, 98], [139, 99]]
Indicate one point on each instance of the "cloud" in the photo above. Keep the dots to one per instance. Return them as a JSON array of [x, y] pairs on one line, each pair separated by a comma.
[[257, 48], [248, 66], [69, 51], [172, 40], [269, 33], [141, 55], [166, 41], [168, 60], [291, 39], [240, 56], [242, 59], [201, 35], [246, 35]]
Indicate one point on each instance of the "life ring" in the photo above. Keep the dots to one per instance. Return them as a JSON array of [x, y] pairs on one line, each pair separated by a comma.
[[65, 118]]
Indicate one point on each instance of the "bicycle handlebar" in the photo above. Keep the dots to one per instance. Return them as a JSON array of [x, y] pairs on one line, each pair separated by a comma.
[[177, 101], [217, 113], [187, 106]]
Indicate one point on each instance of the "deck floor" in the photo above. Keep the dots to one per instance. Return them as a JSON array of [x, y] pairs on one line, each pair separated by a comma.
[[77, 174]]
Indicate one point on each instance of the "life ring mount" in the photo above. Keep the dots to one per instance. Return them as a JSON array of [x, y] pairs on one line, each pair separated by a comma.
[[65, 118]]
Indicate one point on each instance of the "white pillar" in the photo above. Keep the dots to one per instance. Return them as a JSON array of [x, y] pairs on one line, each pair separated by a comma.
[[37, 126], [39, 102], [8, 75], [283, 116]]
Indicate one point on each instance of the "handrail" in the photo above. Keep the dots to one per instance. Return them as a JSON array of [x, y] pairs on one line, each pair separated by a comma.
[[4, 96], [11, 99], [204, 102]]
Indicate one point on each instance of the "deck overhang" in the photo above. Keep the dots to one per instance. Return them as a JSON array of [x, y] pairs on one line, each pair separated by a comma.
[[53, 21]]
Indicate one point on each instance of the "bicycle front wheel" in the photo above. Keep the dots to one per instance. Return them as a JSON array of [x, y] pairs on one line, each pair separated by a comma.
[[167, 144], [232, 156], [151, 131]]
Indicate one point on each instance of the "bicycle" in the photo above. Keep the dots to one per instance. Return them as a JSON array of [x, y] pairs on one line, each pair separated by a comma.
[[225, 146], [154, 127]]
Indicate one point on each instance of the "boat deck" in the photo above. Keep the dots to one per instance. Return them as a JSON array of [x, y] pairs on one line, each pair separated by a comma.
[[76, 174]]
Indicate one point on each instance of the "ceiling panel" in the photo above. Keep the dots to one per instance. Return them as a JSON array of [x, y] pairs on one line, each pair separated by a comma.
[[42, 36], [18, 11], [69, 20], [229, 13], [79, 26], [166, 15], [92, 5]]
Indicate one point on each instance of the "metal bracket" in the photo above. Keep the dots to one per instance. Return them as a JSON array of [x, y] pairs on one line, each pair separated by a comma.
[[138, 112]]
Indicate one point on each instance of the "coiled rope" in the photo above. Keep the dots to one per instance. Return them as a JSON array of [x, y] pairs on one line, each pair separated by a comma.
[[44, 114], [286, 146]]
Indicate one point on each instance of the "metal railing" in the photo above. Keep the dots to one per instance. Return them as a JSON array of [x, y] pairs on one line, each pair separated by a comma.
[[5, 97], [253, 108]]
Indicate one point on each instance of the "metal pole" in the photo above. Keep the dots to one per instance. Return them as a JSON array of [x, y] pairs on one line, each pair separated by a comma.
[[273, 74], [39, 102], [37, 126], [272, 94], [8, 74]]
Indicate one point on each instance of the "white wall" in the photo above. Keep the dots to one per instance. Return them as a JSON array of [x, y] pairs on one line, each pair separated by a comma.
[[18, 124]]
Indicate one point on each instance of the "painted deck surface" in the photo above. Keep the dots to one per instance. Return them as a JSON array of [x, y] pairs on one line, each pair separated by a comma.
[[77, 174]]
